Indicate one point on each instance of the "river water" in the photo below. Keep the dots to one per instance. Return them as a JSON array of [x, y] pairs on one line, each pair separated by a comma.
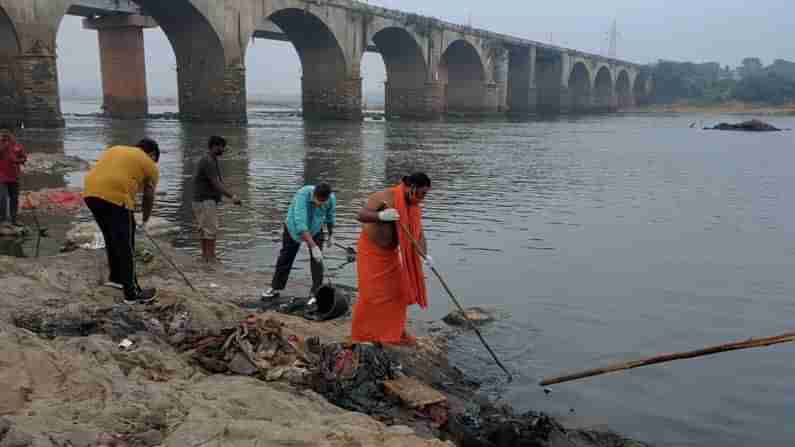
[[601, 239]]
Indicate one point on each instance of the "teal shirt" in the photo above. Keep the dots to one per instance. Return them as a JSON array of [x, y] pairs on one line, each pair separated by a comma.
[[303, 216]]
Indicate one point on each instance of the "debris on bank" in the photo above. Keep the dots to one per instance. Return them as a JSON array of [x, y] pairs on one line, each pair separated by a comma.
[[52, 201], [749, 126], [83, 368], [13, 231], [88, 235], [47, 163]]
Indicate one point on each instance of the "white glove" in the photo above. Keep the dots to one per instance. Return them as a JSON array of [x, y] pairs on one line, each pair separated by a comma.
[[389, 215], [329, 242], [317, 254], [428, 261]]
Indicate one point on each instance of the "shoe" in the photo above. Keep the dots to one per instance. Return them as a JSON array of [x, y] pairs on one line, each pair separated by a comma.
[[114, 285], [270, 294], [143, 296]]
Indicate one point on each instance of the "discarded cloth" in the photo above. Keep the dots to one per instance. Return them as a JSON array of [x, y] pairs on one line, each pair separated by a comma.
[[351, 376], [256, 347], [52, 201]]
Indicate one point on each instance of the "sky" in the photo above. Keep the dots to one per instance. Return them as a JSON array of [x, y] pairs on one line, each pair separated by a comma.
[[723, 31]]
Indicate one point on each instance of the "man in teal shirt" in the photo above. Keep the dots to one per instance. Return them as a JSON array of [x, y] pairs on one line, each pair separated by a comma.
[[311, 208]]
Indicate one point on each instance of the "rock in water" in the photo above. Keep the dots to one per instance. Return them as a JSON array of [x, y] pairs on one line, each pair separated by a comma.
[[749, 126], [477, 315]]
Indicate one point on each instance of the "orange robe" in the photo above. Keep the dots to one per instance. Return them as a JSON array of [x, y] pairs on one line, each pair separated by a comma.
[[390, 280]]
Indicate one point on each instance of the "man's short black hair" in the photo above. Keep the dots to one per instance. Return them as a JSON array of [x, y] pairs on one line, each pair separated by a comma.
[[215, 140], [417, 180], [323, 191], [150, 147]]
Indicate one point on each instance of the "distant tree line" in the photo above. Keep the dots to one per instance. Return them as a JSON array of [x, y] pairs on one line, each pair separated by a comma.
[[709, 83]]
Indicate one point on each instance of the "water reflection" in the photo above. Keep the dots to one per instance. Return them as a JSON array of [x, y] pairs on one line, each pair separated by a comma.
[[334, 154]]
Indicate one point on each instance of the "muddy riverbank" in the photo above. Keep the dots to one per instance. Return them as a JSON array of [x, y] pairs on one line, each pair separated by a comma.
[[65, 381]]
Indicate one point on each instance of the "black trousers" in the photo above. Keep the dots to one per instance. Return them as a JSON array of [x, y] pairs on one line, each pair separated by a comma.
[[118, 228], [9, 200], [286, 259]]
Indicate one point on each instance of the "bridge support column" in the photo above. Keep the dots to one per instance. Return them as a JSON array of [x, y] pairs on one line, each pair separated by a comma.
[[332, 99], [491, 98], [38, 88], [500, 69], [581, 102], [123, 63], [522, 91], [426, 102], [552, 96], [10, 107], [212, 97]]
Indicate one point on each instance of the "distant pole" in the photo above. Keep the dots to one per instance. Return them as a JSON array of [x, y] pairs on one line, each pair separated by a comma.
[[613, 40]]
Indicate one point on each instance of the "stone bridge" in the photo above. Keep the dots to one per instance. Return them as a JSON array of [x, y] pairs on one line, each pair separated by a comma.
[[433, 67]]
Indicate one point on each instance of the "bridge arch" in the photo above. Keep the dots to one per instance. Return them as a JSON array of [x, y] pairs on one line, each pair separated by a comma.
[[203, 71], [580, 87], [406, 70], [463, 72], [603, 89], [624, 89], [326, 83], [10, 110]]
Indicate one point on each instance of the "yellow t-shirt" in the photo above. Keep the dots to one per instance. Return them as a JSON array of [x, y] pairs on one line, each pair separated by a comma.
[[120, 174]]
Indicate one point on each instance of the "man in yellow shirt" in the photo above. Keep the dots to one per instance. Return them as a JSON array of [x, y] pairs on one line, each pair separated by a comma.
[[110, 191]]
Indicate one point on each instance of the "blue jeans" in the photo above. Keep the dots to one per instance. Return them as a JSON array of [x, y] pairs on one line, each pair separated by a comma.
[[9, 201]]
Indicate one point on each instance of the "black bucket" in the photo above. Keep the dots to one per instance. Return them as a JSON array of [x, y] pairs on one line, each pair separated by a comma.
[[331, 304]]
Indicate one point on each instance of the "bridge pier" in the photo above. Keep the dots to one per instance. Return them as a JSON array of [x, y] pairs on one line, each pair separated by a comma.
[[500, 67], [522, 92], [208, 96], [332, 99], [426, 102], [553, 96], [10, 110], [38, 88], [123, 64]]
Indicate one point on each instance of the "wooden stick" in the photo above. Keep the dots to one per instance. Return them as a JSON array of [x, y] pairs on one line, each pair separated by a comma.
[[452, 297], [747, 344], [175, 267]]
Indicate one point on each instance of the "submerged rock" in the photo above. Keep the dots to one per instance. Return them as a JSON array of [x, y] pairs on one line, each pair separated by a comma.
[[476, 315], [750, 126]]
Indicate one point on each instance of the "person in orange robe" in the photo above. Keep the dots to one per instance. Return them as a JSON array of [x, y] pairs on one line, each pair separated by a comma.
[[388, 265]]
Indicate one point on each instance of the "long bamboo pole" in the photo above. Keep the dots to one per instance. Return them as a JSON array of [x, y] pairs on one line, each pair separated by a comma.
[[455, 300], [747, 344]]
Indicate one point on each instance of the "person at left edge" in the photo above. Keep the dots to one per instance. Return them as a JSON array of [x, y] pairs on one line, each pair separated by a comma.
[[110, 190]]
